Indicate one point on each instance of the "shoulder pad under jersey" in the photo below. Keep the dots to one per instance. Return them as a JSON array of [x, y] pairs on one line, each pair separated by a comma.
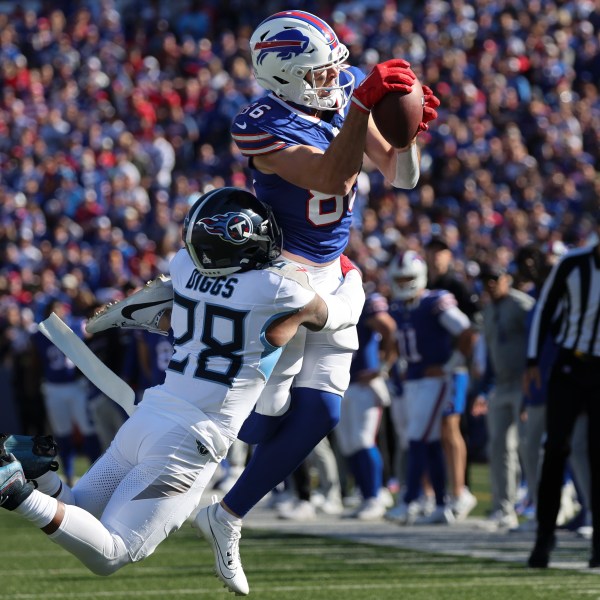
[[291, 271]]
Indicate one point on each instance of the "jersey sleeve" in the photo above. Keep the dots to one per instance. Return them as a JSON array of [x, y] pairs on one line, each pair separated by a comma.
[[294, 292], [177, 267], [442, 301], [345, 76], [254, 136], [358, 75]]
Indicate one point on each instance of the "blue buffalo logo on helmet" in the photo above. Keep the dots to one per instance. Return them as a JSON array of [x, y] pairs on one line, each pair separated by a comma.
[[285, 44], [232, 227]]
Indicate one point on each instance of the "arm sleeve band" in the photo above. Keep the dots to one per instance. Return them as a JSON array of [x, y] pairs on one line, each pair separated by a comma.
[[345, 306], [407, 168]]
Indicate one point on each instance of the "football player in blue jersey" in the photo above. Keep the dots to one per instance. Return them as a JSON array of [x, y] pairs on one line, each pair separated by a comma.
[[434, 339], [305, 141], [233, 311]]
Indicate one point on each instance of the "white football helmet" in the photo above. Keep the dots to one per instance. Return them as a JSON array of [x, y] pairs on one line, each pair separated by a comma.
[[408, 274], [288, 46]]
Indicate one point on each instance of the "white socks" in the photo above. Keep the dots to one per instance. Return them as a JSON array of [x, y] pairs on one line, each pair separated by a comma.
[[38, 508], [49, 483], [227, 518]]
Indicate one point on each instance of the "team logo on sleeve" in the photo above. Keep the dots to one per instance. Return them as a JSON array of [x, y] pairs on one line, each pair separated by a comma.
[[231, 227], [285, 44]]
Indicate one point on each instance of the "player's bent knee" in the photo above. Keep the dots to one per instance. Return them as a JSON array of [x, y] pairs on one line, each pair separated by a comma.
[[323, 407], [106, 569], [110, 560], [259, 428], [103, 552]]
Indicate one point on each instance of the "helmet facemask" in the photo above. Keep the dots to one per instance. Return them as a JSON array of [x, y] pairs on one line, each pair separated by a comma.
[[331, 97], [408, 275]]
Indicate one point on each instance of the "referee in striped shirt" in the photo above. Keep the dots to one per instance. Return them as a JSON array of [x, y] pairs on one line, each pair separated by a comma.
[[568, 306]]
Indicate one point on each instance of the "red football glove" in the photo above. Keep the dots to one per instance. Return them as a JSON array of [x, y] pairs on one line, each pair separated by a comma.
[[390, 76], [347, 265], [429, 112]]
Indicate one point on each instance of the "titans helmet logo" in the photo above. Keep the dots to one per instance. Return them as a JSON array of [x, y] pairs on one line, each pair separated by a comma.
[[231, 227], [285, 45]]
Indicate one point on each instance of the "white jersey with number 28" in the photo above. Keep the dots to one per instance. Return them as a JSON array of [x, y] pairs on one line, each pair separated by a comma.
[[222, 360]]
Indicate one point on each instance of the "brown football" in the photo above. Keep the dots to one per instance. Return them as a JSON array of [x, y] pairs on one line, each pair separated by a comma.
[[398, 115]]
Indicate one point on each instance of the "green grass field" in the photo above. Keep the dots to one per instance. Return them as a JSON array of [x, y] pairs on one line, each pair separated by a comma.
[[278, 567], [281, 567]]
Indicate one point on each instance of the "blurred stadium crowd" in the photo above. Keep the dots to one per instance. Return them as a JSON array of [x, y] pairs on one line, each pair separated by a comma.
[[113, 112]]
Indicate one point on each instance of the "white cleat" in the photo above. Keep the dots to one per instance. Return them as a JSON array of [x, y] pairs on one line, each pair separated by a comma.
[[372, 509], [141, 310], [302, 510], [500, 520], [225, 542], [463, 504]]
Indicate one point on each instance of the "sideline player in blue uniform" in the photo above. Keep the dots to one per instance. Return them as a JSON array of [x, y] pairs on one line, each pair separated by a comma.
[[434, 337], [65, 393], [363, 403]]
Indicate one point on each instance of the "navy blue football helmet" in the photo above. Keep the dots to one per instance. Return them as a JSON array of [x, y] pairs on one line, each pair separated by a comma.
[[229, 230]]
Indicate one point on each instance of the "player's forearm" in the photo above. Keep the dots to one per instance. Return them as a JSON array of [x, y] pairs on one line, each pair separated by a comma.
[[340, 164], [345, 306], [407, 167], [400, 166]]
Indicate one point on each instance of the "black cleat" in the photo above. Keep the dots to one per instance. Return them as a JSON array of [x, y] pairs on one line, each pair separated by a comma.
[[540, 555], [37, 454], [14, 488]]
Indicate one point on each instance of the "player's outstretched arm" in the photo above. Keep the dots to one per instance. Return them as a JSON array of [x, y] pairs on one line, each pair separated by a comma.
[[335, 170], [329, 312], [401, 166]]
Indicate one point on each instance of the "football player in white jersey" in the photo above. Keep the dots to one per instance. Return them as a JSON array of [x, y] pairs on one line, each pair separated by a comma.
[[233, 311]]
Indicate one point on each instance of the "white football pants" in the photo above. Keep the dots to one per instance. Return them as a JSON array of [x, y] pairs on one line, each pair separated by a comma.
[[142, 489], [313, 359]]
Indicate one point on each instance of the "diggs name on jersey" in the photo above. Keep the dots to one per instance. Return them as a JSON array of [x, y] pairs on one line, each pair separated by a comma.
[[216, 286]]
